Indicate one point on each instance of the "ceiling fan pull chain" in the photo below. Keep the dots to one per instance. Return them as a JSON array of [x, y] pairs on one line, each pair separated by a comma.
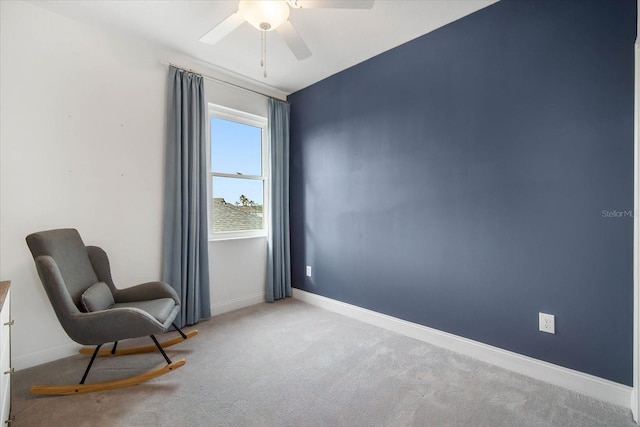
[[262, 48], [265, 54]]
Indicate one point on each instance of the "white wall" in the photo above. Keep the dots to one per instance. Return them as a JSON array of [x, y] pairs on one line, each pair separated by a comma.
[[635, 397], [82, 120], [238, 273]]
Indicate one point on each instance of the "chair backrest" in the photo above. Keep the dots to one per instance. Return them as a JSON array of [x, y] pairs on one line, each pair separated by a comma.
[[69, 253]]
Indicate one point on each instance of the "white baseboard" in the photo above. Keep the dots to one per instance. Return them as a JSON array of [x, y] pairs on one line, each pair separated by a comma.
[[237, 303], [44, 356], [580, 382]]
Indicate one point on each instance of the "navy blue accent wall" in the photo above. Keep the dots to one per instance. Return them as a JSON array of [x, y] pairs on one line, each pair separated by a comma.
[[478, 175]]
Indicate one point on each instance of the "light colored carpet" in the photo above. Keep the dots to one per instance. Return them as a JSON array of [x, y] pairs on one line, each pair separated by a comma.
[[292, 364]]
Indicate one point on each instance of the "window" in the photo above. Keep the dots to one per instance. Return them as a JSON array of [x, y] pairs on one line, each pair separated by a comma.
[[238, 173]]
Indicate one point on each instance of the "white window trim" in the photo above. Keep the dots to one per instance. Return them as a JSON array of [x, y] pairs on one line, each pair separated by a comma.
[[242, 117]]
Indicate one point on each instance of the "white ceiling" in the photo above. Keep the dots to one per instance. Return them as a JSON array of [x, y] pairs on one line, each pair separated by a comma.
[[338, 38]]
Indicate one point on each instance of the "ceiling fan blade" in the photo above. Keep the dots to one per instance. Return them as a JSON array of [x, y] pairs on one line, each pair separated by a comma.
[[293, 40], [333, 4], [232, 22]]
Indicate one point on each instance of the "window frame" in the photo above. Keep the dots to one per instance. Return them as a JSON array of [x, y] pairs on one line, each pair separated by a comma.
[[241, 117]]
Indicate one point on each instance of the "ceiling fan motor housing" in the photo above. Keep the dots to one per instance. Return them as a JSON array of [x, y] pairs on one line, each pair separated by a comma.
[[264, 15]]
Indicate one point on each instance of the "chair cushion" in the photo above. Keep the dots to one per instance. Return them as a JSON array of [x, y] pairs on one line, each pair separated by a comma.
[[158, 308], [97, 297]]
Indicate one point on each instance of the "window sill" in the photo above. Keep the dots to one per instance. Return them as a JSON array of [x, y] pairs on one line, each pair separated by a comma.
[[225, 238]]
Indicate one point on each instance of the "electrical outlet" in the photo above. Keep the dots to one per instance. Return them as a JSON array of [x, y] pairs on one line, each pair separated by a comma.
[[547, 323], [308, 271]]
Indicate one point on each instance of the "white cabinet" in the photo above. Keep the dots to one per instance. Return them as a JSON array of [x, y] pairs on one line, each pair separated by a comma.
[[5, 352]]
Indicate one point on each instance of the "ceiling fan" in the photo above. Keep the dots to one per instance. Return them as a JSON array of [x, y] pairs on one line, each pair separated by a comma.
[[269, 15]]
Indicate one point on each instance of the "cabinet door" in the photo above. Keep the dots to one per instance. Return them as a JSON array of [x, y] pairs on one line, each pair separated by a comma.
[[5, 360], [6, 402]]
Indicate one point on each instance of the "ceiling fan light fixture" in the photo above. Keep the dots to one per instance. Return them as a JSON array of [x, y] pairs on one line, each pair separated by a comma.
[[265, 15]]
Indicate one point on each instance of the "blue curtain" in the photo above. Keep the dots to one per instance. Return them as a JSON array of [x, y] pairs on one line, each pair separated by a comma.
[[185, 263], [278, 255]]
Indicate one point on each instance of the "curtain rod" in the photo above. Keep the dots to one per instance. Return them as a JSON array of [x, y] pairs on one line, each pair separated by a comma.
[[224, 82]]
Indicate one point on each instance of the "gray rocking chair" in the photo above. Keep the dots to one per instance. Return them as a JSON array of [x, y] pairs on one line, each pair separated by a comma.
[[92, 311]]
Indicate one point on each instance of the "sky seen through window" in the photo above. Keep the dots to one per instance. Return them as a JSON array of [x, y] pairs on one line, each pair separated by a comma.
[[236, 148]]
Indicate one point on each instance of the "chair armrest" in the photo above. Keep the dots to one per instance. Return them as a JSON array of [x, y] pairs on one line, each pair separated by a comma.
[[146, 291], [114, 324]]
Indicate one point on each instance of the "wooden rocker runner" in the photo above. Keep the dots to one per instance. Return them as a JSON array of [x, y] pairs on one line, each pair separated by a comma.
[[92, 311]]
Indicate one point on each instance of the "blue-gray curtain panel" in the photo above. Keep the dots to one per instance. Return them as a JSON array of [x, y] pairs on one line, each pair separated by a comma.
[[185, 263], [278, 253]]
